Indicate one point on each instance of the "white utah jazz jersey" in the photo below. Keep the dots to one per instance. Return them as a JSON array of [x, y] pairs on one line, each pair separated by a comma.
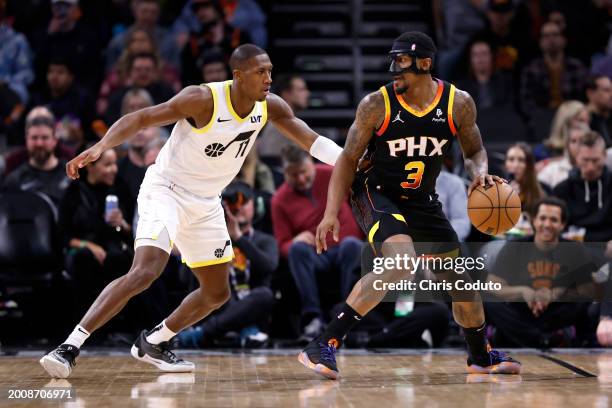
[[204, 161]]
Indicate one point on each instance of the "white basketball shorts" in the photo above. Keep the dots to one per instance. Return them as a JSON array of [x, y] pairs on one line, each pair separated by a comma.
[[195, 224]]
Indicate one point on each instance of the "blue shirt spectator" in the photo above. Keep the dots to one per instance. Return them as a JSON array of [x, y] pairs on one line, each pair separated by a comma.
[[15, 61]]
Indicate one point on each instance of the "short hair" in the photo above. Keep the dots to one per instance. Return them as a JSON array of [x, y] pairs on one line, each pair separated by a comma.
[[135, 92], [243, 54], [148, 55], [209, 56], [292, 154], [40, 110], [41, 120], [557, 202], [284, 82], [592, 138], [591, 81], [63, 61]]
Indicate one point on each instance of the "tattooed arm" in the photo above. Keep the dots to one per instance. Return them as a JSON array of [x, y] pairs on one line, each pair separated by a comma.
[[474, 153], [369, 117]]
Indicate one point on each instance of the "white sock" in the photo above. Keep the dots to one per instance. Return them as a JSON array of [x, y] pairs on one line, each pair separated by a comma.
[[77, 337], [160, 333]]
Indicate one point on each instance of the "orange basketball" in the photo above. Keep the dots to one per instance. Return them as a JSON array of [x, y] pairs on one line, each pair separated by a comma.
[[494, 209]]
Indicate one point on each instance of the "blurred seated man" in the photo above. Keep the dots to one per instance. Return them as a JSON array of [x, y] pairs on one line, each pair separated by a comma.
[[588, 190], [599, 96], [297, 208], [72, 105], [20, 155], [43, 172], [213, 65], [255, 258], [540, 276], [293, 89], [143, 73]]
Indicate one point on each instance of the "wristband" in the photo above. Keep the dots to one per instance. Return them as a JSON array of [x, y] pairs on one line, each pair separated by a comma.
[[325, 150]]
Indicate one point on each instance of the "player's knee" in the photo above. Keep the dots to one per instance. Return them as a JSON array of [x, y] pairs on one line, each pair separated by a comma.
[[217, 298], [140, 278]]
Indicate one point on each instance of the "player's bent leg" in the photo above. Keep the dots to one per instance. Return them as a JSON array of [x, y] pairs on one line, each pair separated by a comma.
[[320, 354], [468, 312], [148, 264], [153, 347]]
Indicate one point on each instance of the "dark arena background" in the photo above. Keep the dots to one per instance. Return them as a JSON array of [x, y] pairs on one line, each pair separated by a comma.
[[539, 73]]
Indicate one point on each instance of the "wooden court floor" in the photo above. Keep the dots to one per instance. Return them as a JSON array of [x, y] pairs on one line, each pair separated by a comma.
[[268, 378]]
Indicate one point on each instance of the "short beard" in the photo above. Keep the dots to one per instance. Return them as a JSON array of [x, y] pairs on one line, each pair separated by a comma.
[[40, 157], [401, 90]]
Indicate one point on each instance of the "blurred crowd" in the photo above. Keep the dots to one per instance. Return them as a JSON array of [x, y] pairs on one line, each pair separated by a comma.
[[540, 74]]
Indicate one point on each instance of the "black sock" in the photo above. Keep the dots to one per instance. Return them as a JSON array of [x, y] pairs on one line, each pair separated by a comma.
[[477, 344], [341, 325]]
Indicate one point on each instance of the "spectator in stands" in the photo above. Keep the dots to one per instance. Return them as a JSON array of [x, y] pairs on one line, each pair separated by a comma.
[[488, 87], [554, 77], [72, 105], [456, 22], [536, 274], [144, 73], [245, 15], [588, 190], [557, 169], [15, 72], [599, 97], [255, 259], [138, 41], [99, 244], [131, 169], [520, 169], [569, 115], [67, 36], [20, 155], [453, 197], [293, 89], [505, 31], [214, 31], [146, 18], [44, 172], [213, 66], [297, 208]]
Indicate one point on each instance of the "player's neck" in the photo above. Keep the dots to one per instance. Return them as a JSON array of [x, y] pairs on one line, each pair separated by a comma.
[[241, 104], [421, 93]]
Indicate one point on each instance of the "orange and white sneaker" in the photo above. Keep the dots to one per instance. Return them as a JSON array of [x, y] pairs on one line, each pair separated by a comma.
[[499, 363]]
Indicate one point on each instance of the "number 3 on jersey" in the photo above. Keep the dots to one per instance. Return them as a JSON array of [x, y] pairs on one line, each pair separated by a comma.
[[415, 175]]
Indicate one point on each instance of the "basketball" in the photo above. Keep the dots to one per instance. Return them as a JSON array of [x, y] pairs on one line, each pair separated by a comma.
[[494, 209]]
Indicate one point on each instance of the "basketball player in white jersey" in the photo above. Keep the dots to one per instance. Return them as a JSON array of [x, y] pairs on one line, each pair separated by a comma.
[[179, 200]]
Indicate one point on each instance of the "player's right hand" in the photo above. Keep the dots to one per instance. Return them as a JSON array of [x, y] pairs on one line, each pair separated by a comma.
[[329, 223], [90, 155]]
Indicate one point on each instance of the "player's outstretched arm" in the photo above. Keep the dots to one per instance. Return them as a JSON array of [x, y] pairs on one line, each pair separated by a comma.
[[474, 153], [281, 115], [369, 117], [192, 101]]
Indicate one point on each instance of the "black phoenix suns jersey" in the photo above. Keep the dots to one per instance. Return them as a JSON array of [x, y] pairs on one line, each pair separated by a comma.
[[405, 154]]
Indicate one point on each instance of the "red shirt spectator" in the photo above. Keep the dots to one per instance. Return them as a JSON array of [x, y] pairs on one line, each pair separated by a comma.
[[295, 211]]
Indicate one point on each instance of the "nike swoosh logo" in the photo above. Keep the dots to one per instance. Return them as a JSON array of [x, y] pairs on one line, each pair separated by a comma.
[[223, 120], [79, 329]]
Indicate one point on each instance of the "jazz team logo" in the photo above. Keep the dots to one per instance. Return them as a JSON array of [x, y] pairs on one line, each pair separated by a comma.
[[217, 149]]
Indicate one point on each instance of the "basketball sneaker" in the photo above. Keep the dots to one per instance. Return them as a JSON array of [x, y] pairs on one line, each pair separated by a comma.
[[499, 363], [159, 355], [320, 357], [59, 362]]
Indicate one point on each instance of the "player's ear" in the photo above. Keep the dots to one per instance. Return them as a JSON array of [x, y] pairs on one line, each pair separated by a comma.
[[237, 75], [425, 64]]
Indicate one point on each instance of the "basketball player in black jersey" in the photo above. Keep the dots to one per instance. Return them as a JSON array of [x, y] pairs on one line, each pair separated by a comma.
[[404, 129]]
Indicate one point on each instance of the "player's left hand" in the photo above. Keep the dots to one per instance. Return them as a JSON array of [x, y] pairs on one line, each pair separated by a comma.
[[484, 180]]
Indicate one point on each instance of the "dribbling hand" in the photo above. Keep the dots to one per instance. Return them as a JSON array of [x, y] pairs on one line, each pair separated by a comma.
[[484, 180], [90, 155], [329, 223]]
